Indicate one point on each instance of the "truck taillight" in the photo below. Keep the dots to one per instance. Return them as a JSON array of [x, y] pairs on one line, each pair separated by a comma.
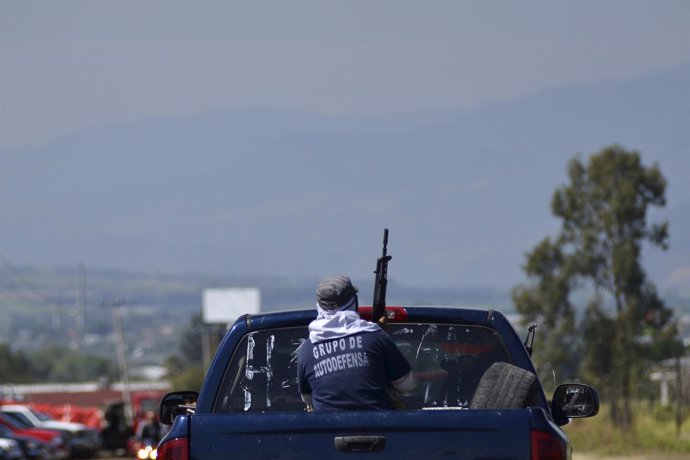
[[546, 446], [393, 314], [175, 449]]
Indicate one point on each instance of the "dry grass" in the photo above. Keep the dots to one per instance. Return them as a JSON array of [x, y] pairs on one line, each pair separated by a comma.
[[652, 437]]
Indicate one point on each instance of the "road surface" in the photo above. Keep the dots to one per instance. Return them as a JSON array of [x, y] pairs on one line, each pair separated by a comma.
[[664, 456]]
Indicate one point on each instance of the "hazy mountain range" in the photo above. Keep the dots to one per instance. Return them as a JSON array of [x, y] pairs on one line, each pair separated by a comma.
[[266, 192]]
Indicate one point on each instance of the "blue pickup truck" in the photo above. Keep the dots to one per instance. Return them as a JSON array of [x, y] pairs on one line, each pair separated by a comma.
[[477, 396]]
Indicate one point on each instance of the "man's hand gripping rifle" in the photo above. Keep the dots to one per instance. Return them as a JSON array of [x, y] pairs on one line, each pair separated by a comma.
[[378, 314]]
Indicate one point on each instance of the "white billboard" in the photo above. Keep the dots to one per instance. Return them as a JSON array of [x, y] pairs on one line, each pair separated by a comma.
[[225, 305]]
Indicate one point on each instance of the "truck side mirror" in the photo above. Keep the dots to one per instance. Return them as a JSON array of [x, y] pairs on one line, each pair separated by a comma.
[[177, 403], [574, 400]]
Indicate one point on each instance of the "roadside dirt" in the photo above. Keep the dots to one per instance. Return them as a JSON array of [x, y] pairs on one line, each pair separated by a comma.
[[661, 456]]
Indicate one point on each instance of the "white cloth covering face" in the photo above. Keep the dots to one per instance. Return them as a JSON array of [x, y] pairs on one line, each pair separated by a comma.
[[341, 322]]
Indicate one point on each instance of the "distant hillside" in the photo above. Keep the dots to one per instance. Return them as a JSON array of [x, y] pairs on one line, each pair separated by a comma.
[[299, 195], [181, 294], [41, 308]]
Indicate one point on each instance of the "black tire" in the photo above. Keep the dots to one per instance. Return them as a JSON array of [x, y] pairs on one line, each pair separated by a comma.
[[504, 386]]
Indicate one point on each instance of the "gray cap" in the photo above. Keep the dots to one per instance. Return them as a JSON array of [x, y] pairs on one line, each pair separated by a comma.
[[335, 292]]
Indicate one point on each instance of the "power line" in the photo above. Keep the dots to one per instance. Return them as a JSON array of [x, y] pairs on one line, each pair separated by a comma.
[[115, 307]]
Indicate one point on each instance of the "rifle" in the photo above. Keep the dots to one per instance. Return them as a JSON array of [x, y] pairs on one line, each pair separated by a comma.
[[378, 310], [378, 313]]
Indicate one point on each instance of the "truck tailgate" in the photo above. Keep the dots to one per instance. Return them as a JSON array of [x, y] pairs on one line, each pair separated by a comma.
[[446, 434]]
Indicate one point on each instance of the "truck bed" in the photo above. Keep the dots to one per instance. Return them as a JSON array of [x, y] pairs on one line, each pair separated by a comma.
[[421, 434]]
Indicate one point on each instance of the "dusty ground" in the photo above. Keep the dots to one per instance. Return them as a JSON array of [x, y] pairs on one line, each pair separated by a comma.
[[577, 456]]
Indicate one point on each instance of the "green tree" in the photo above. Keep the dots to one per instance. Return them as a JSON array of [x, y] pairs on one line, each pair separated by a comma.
[[603, 210], [59, 364], [197, 335], [184, 375], [546, 301], [187, 370], [14, 367], [191, 340]]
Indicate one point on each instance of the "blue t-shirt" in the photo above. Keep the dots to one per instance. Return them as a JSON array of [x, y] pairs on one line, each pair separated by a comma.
[[350, 373]]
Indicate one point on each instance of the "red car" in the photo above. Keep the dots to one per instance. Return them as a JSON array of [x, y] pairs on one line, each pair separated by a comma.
[[53, 438]]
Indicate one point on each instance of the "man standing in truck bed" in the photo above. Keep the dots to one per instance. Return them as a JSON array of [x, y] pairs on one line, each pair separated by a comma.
[[348, 363]]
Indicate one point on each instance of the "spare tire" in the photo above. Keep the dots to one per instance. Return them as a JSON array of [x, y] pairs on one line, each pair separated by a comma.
[[504, 386]]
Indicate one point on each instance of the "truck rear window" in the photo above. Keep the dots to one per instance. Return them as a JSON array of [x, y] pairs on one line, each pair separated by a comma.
[[448, 361]]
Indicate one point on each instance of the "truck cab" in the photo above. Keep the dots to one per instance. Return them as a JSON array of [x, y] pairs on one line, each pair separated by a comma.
[[477, 395]]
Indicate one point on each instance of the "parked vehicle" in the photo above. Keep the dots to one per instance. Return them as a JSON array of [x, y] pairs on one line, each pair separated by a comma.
[[32, 449], [478, 396], [83, 441], [57, 447], [10, 450]]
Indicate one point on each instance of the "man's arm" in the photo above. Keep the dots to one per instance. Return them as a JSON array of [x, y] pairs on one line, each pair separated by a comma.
[[398, 369], [405, 383], [306, 397], [303, 386]]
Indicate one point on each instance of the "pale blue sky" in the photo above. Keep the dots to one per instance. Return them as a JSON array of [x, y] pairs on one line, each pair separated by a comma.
[[70, 65]]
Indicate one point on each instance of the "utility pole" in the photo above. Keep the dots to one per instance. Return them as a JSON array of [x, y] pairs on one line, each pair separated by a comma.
[[56, 316], [679, 396], [122, 356], [205, 346], [80, 299]]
